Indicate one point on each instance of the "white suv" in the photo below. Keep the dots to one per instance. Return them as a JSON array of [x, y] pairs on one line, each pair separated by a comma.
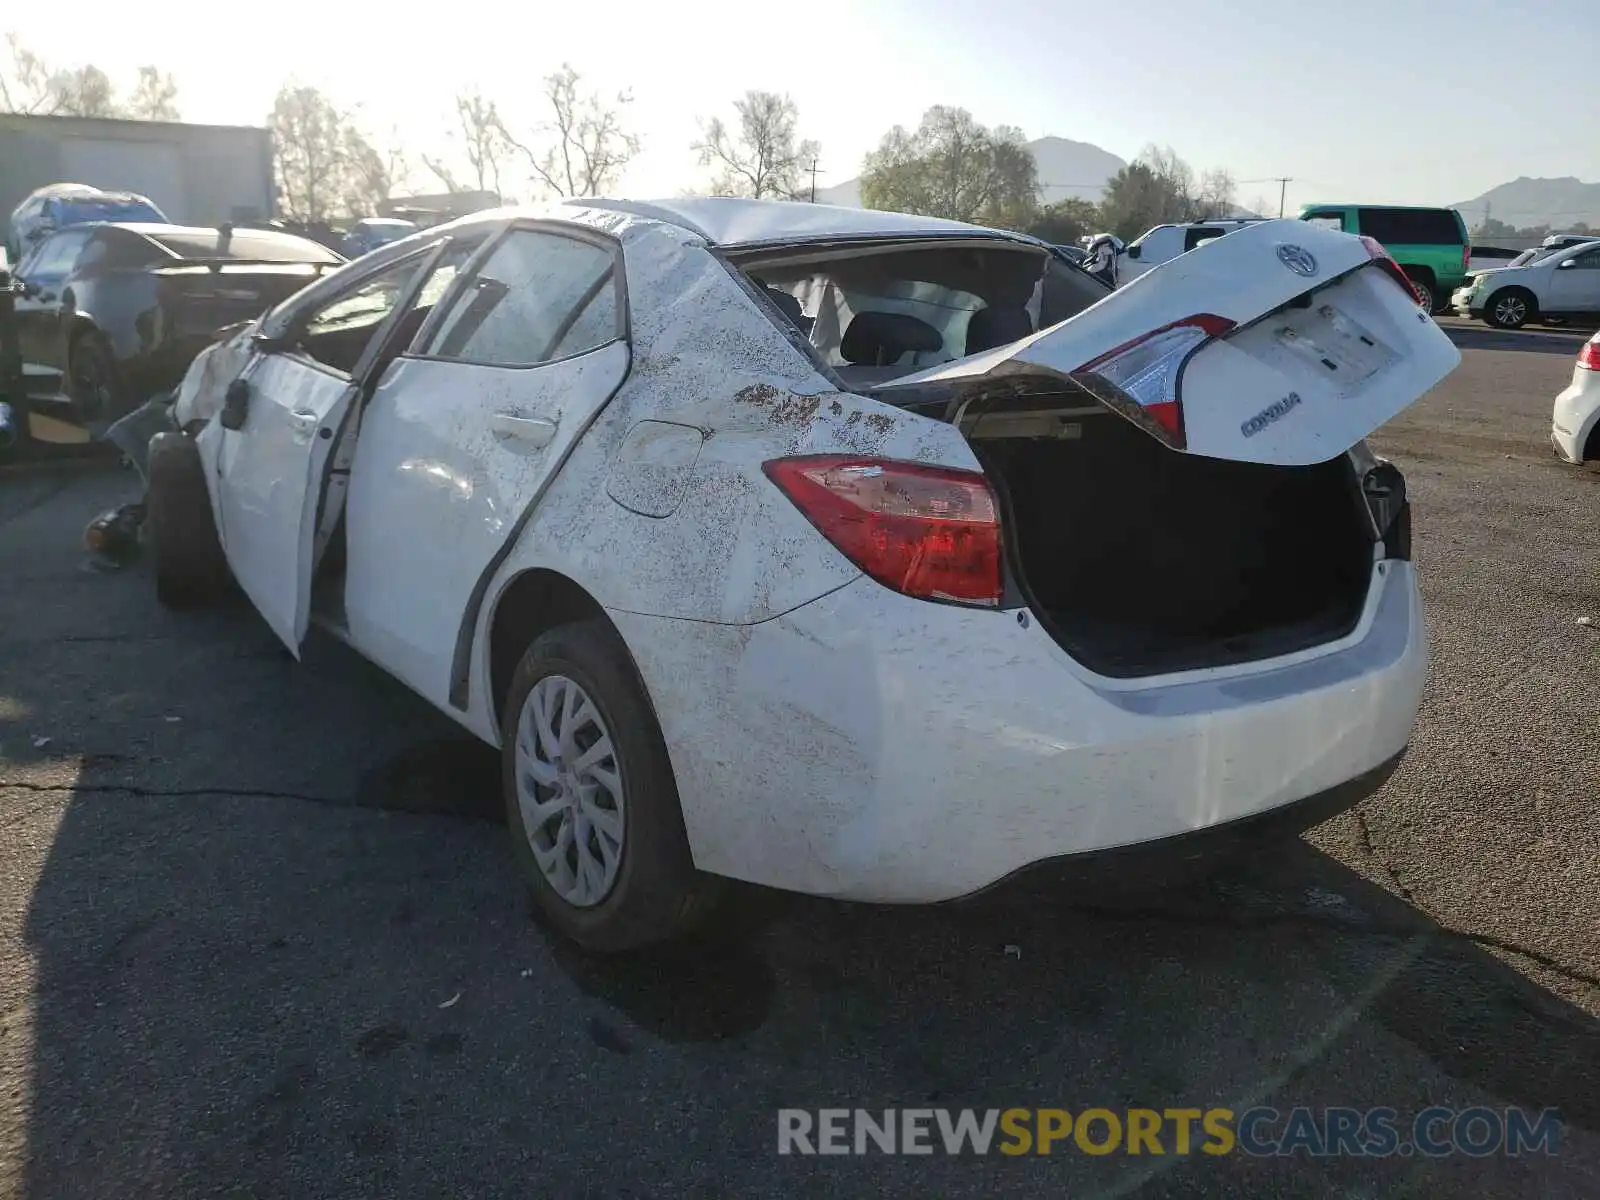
[[1561, 284], [1164, 243]]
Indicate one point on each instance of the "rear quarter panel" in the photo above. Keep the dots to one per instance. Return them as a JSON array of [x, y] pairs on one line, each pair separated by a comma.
[[733, 550]]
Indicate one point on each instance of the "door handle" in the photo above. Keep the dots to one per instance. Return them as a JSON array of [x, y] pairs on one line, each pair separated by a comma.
[[305, 423], [536, 431]]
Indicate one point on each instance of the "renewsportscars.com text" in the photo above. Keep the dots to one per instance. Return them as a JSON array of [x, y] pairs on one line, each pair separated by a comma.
[[1258, 1132]]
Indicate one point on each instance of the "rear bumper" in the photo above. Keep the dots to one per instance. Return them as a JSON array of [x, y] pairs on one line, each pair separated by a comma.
[[1574, 417], [871, 747], [1188, 855]]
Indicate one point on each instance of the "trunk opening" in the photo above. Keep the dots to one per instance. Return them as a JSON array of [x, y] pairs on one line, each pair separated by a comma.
[[1141, 560]]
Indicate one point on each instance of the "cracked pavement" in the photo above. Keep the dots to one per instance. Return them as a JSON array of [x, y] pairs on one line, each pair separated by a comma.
[[259, 935]]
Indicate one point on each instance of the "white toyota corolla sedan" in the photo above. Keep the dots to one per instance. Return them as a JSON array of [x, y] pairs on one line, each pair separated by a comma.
[[845, 552]]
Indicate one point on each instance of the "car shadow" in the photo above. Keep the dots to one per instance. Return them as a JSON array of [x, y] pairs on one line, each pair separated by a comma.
[[1563, 341], [275, 945]]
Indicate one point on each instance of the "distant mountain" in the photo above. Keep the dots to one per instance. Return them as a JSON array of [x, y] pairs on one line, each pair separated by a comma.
[[1525, 202], [1066, 168]]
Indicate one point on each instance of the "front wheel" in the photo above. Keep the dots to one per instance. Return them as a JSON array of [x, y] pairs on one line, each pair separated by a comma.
[[1510, 309], [190, 568], [94, 382], [591, 801]]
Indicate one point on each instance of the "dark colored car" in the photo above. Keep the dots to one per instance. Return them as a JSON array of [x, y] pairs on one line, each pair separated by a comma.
[[62, 204], [116, 312]]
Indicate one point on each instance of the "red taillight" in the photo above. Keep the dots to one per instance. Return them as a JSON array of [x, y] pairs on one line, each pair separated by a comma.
[[1379, 255], [1466, 258], [1589, 356], [930, 532], [1147, 369]]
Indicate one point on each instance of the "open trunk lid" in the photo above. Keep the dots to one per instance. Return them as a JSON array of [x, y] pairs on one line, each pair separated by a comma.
[[1282, 343]]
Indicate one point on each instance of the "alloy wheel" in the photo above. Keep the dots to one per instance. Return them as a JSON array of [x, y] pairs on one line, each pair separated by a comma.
[[570, 791], [1510, 310]]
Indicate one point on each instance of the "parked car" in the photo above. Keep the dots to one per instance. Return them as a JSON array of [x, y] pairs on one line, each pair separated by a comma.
[[1487, 258], [1163, 243], [1560, 241], [1430, 244], [60, 205], [367, 234], [769, 542], [1560, 286], [113, 312], [1575, 424]]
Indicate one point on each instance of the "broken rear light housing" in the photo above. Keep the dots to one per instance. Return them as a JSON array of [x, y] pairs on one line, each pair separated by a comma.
[[1141, 378], [1384, 259], [928, 532]]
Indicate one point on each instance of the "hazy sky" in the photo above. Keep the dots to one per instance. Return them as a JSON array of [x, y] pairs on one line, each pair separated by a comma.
[[1419, 101]]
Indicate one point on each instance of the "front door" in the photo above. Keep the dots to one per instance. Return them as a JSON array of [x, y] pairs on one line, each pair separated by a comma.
[[40, 336], [460, 438], [272, 469]]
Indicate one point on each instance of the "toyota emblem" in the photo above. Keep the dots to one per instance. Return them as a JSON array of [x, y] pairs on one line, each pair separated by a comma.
[[1297, 260]]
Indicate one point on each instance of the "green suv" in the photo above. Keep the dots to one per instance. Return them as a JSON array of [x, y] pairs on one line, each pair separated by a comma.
[[1430, 244]]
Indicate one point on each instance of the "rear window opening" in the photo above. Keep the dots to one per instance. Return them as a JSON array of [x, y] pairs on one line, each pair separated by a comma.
[[1140, 560], [243, 245], [876, 312]]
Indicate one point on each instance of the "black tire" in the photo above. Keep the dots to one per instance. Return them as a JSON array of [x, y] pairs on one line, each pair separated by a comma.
[[1510, 308], [1427, 292], [94, 381], [657, 895], [190, 568]]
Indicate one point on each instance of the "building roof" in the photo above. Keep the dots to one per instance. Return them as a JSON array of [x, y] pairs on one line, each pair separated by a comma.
[[728, 221]]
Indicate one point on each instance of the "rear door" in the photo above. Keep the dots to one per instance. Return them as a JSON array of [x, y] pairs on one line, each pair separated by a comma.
[[271, 468], [1574, 283], [1281, 343], [463, 434]]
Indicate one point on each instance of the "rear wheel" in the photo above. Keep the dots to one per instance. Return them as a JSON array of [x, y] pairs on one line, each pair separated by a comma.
[[1510, 308], [94, 383], [591, 801], [1427, 298], [190, 568]]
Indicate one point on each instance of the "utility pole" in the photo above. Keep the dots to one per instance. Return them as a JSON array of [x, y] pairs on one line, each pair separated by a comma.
[[813, 181], [1283, 188]]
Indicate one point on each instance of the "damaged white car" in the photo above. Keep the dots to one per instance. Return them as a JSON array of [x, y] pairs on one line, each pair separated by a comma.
[[845, 552]]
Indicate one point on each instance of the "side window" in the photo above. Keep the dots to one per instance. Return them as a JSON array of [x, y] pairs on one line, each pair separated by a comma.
[[1327, 220], [1587, 261], [337, 333], [1198, 237], [56, 255], [1411, 226], [538, 296]]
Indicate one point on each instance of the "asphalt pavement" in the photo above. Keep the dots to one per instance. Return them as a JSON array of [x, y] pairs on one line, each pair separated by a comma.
[[260, 935]]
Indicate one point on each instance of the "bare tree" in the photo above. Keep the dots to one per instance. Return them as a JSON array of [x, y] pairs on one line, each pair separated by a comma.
[[30, 85], [83, 92], [154, 96], [480, 140], [441, 170], [483, 134], [1216, 196], [25, 80], [371, 175], [311, 146], [589, 147], [760, 158]]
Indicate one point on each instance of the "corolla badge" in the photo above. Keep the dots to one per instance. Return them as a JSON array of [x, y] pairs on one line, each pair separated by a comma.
[[1297, 260]]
